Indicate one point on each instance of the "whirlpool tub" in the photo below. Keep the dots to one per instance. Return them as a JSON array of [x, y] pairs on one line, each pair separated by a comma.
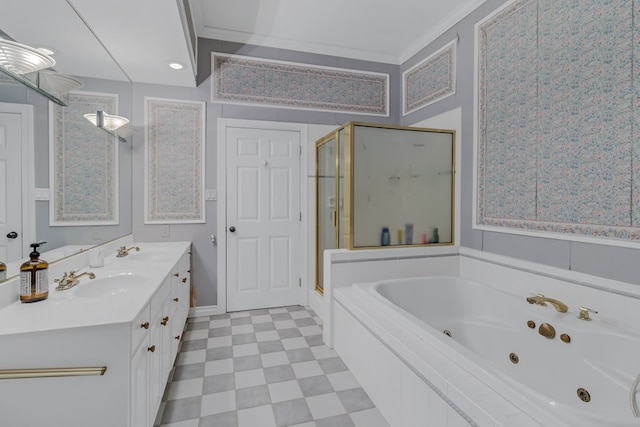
[[490, 357]]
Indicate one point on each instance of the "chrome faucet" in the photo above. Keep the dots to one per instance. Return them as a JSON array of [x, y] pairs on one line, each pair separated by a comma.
[[123, 251], [540, 299], [69, 280]]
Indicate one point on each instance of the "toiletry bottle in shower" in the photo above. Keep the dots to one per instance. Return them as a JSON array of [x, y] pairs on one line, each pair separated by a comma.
[[3, 271], [34, 277], [385, 238], [436, 238]]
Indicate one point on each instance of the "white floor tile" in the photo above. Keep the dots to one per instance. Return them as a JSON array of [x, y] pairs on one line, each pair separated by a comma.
[[299, 314], [274, 359], [219, 342], [198, 334], [323, 352], [278, 310], [250, 378], [294, 343], [245, 350], [241, 329], [217, 367], [264, 318], [239, 314], [285, 324], [343, 380], [325, 405], [286, 390], [310, 330], [220, 323], [184, 388], [187, 423], [267, 336], [307, 369], [260, 416], [217, 403], [369, 418]]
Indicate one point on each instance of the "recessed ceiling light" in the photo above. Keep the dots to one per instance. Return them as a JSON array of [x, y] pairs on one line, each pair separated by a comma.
[[45, 50], [176, 65]]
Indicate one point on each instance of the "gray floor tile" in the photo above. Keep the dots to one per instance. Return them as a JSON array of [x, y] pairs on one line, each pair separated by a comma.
[[226, 419], [182, 409], [243, 338], [270, 346], [221, 316], [193, 345], [276, 374], [355, 400], [219, 332], [217, 383], [250, 397], [314, 340], [337, 421], [188, 372], [289, 333], [332, 365], [259, 312], [219, 353], [241, 321], [244, 363], [313, 386], [263, 327], [280, 316], [300, 355], [194, 326], [291, 412], [296, 308], [305, 321]]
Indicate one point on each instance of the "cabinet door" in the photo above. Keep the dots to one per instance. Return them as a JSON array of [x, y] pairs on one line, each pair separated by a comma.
[[156, 385], [140, 386], [166, 350]]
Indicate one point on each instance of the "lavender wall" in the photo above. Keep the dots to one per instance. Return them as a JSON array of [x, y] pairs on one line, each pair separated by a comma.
[[613, 262]]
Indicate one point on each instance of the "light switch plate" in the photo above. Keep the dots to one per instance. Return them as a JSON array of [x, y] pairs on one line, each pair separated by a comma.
[[41, 194], [210, 195]]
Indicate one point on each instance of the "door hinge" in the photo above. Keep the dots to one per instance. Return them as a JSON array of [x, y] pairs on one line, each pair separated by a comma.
[[300, 216], [299, 282], [299, 150]]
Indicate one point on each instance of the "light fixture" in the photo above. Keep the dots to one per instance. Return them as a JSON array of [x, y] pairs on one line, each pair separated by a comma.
[[22, 59], [106, 121], [55, 83], [176, 65], [45, 50]]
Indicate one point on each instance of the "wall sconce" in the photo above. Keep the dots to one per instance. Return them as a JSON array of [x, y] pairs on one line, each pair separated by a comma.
[[109, 123]]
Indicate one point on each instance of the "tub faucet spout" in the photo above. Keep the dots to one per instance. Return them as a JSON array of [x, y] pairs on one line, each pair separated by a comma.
[[540, 299]]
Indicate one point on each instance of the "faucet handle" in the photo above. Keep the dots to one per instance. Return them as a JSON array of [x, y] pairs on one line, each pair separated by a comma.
[[537, 299], [584, 313]]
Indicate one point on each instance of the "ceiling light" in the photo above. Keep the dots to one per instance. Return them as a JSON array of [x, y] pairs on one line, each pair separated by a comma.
[[21, 59], [45, 50], [107, 121], [176, 65]]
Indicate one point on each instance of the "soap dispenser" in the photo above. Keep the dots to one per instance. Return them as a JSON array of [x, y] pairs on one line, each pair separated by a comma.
[[34, 277]]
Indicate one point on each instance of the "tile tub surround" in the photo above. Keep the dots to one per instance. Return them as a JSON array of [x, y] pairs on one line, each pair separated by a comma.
[[262, 368]]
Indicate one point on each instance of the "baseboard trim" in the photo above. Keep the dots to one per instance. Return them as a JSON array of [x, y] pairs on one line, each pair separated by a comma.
[[209, 310]]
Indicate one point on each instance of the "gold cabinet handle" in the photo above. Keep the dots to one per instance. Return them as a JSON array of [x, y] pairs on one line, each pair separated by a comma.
[[152, 348], [176, 274], [184, 280], [188, 271], [144, 325], [165, 320], [177, 337], [176, 299]]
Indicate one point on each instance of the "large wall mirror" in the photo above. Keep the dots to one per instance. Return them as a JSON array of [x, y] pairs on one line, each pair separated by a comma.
[[78, 53]]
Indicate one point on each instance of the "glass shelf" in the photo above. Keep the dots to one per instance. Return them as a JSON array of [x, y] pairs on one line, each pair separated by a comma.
[[33, 81]]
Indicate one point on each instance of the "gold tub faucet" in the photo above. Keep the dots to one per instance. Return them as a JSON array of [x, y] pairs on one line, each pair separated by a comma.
[[124, 251], [540, 299]]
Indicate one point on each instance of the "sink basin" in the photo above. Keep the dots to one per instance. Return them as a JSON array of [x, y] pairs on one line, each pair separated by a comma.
[[121, 284], [150, 255]]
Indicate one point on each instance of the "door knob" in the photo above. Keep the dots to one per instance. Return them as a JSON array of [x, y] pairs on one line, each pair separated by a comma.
[[12, 235], [232, 229]]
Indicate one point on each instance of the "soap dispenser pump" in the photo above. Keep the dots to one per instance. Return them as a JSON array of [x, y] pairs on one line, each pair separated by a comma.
[[34, 277]]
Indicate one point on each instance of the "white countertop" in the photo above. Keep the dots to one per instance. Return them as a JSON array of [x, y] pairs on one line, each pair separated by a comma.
[[65, 309]]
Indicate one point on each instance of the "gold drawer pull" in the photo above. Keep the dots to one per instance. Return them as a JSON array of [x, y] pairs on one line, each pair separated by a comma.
[[177, 337], [145, 325], [184, 280], [176, 299], [152, 348], [176, 274], [165, 320]]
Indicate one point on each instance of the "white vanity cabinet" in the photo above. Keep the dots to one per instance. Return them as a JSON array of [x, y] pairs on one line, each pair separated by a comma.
[[138, 348]]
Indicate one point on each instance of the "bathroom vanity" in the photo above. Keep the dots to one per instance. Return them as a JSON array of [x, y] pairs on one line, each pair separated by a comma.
[[98, 354]]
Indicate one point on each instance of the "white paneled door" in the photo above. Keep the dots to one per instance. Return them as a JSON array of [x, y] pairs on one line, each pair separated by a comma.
[[11, 140], [263, 218]]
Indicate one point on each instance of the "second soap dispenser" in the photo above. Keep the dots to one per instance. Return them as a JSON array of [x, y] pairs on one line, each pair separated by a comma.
[[34, 277]]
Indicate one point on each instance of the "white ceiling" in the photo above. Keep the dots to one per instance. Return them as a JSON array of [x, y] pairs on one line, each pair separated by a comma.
[[134, 40]]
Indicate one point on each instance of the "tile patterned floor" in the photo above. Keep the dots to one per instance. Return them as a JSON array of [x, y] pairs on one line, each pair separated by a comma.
[[262, 368]]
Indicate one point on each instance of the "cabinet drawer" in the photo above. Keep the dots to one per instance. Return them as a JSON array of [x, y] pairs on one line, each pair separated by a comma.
[[140, 327], [160, 298]]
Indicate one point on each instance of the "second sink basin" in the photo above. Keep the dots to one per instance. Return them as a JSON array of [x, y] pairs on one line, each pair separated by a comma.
[[120, 284]]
